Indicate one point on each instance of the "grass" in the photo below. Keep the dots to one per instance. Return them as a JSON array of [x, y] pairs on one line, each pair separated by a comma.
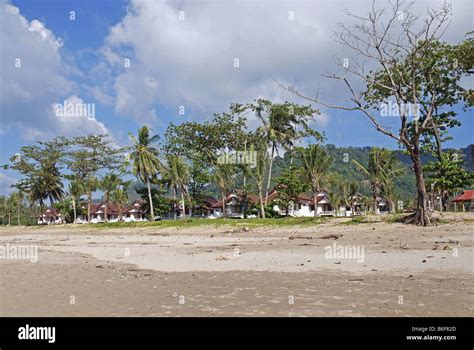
[[194, 222], [358, 220]]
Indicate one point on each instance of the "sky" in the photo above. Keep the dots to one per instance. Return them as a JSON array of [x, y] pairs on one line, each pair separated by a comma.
[[137, 62]]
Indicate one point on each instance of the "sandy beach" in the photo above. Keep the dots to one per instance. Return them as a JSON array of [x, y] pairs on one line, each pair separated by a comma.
[[395, 270]]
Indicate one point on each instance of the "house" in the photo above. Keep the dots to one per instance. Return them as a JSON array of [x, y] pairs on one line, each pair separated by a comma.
[[299, 209], [324, 207], [382, 206], [236, 201], [305, 205], [467, 197], [50, 216], [204, 209], [356, 204], [132, 212]]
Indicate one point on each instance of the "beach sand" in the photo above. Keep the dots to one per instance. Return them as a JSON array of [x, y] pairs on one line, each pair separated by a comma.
[[226, 271]]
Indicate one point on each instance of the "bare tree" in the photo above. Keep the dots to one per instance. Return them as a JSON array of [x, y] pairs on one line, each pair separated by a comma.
[[391, 49]]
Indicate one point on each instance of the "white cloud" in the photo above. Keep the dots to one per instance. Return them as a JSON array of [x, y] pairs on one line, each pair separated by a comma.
[[190, 62], [33, 76]]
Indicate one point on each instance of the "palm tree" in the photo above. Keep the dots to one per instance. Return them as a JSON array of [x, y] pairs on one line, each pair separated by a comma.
[[279, 130], [76, 190], [260, 171], [120, 197], [145, 160], [176, 175], [17, 199], [109, 184], [223, 176], [315, 162], [380, 171], [91, 184]]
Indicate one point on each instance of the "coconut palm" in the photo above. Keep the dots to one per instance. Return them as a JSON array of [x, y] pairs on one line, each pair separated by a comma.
[[76, 190], [278, 129], [223, 174], [120, 197], [16, 201], [109, 183], [176, 174], [315, 164], [144, 157], [91, 184], [380, 171], [262, 161]]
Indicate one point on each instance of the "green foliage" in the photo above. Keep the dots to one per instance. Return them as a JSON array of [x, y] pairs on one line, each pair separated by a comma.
[[448, 173], [161, 204], [289, 188]]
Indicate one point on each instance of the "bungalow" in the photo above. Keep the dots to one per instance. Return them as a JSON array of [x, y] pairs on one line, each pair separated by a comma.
[[382, 206], [236, 201], [467, 196], [50, 216], [324, 207], [132, 212], [305, 205], [298, 209], [356, 204]]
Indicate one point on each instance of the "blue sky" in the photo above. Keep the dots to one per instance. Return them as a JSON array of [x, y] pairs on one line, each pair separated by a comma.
[[176, 59]]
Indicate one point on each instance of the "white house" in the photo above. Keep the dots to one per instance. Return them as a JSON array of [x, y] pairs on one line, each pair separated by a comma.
[[50, 216], [234, 204], [305, 205]]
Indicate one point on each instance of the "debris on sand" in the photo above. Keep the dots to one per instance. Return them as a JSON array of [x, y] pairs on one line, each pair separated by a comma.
[[332, 236], [448, 241], [221, 258], [355, 280], [300, 237], [244, 229]]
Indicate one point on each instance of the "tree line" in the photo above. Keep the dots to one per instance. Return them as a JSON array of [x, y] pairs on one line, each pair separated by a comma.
[[184, 162]]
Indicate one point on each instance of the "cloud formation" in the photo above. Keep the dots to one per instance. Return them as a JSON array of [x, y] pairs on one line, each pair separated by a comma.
[[33, 76]]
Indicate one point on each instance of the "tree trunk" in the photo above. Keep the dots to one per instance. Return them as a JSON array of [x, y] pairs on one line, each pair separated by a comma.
[[315, 203], [421, 216], [224, 214], [152, 213], [374, 198], [18, 215], [74, 209], [9, 217], [262, 206], [89, 200], [106, 218], [269, 174], [391, 206], [183, 212], [174, 203]]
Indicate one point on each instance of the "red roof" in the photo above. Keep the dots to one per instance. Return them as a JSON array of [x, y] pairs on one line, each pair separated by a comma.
[[50, 212], [238, 193], [467, 196]]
